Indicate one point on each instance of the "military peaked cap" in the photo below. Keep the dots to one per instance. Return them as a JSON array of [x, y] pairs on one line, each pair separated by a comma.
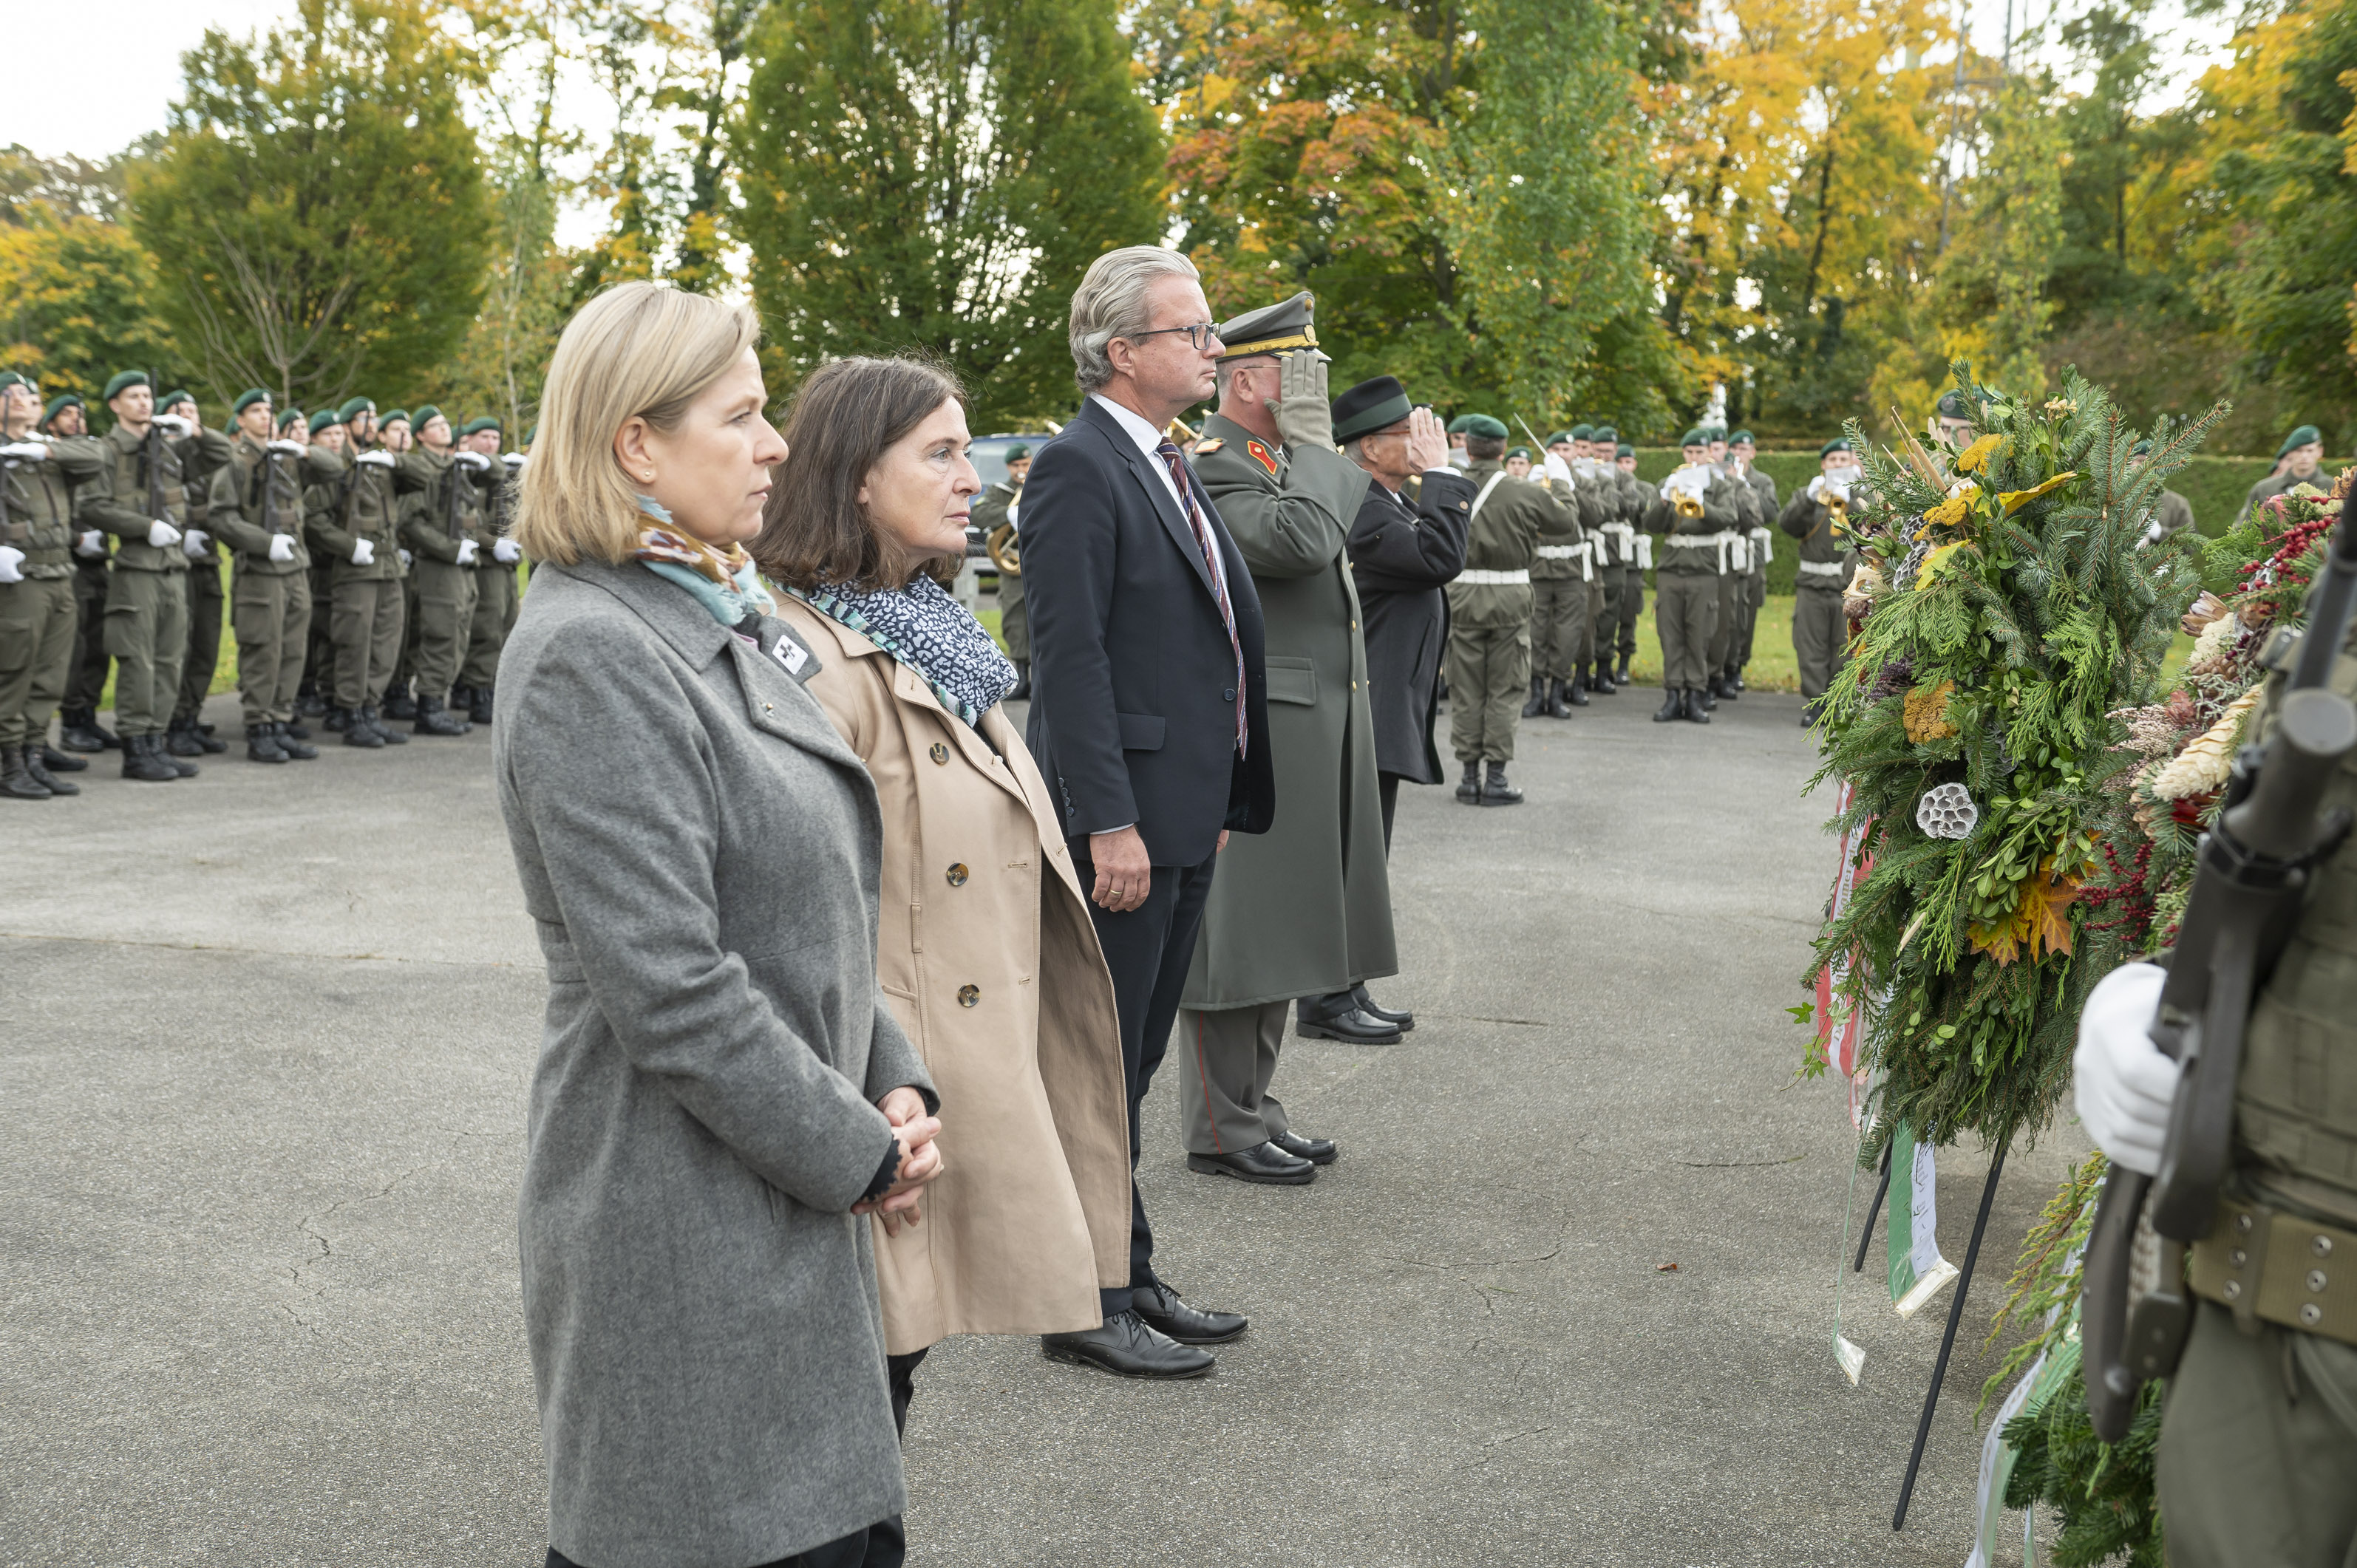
[[248, 398], [1376, 403], [1487, 428], [476, 427], [355, 405], [1838, 444], [1272, 329], [324, 418], [123, 379], [2303, 436]]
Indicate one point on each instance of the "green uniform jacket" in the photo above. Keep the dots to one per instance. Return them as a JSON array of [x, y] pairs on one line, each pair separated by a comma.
[[37, 504], [1504, 537], [495, 505], [1565, 530], [116, 499], [1306, 907], [439, 507], [2276, 484], [1622, 501], [1687, 546], [1810, 522], [2173, 512], [1763, 508], [350, 500], [991, 507], [258, 495]]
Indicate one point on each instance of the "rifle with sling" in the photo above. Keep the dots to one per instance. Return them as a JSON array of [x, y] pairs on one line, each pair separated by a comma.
[[2248, 891]]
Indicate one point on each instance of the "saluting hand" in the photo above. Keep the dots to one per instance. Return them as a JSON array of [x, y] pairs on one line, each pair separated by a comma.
[[1428, 441]]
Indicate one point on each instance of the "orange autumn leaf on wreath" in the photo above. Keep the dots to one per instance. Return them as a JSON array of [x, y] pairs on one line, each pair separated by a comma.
[[2042, 919], [2014, 501]]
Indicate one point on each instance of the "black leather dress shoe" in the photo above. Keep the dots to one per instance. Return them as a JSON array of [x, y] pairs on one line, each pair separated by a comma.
[[1126, 1347], [1161, 1310], [1350, 1027], [1400, 1020], [1316, 1151], [1262, 1163]]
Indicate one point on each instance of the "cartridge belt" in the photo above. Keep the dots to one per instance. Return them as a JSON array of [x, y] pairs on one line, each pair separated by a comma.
[[2277, 1268]]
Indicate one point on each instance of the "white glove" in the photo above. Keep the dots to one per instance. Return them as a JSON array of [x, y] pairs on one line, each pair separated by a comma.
[[291, 448], [407, 558], [466, 549], [1816, 486], [2125, 1084], [195, 543], [514, 460], [1556, 469], [161, 533], [282, 548], [374, 459], [474, 461], [26, 452], [506, 551], [10, 559], [89, 542], [1839, 481], [173, 424], [364, 553]]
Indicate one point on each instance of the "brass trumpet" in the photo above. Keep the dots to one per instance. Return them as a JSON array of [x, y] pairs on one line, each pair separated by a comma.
[[1004, 553], [1688, 504], [1837, 509]]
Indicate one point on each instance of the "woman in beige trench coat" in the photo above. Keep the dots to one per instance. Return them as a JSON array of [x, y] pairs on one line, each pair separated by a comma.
[[985, 950]]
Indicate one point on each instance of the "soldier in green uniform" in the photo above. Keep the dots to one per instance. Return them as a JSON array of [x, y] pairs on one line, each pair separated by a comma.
[[66, 419], [1954, 422], [37, 590], [442, 527], [257, 504], [1301, 914], [396, 440], [2172, 514], [2299, 461], [496, 600], [351, 520], [1742, 455], [1694, 511], [1489, 615], [996, 513], [1820, 630], [1627, 549], [1598, 495], [1733, 546], [1559, 574], [187, 734], [141, 497]]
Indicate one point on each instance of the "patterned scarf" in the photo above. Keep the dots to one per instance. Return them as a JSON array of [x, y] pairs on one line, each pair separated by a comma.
[[729, 586], [927, 630]]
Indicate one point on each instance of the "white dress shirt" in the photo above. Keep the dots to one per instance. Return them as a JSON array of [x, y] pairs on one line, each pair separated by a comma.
[[1149, 441]]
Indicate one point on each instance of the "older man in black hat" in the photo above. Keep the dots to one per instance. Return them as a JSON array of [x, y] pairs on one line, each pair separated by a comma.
[[1303, 911]]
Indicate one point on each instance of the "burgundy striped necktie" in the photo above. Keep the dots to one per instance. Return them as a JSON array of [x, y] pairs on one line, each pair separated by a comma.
[[1168, 451]]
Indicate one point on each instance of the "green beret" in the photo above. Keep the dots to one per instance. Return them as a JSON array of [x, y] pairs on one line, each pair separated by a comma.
[[1626, 451], [1715, 432], [248, 398], [324, 418], [1698, 436], [1462, 424], [1954, 406], [1017, 453], [1742, 439], [59, 404], [174, 399], [125, 379], [393, 416], [1487, 428], [1604, 433], [287, 416], [426, 416], [356, 406], [1522, 452], [476, 427], [2300, 437], [2141, 449], [11, 379], [1577, 433], [1838, 444]]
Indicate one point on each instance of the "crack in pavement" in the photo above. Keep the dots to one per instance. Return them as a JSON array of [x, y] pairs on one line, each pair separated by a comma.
[[255, 952]]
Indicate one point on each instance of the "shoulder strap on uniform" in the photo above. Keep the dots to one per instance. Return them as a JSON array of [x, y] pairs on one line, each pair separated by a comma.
[[1486, 489]]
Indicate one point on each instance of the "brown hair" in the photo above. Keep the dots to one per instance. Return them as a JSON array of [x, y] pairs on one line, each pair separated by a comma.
[[844, 418]]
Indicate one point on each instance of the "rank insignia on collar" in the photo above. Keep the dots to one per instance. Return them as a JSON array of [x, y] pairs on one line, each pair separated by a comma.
[[1213, 445], [1267, 458]]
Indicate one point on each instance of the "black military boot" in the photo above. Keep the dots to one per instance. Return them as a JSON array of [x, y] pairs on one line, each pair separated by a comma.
[[308, 703], [399, 705], [1567, 695], [290, 739], [1537, 704], [336, 720], [57, 761], [145, 762], [1729, 683], [180, 739], [261, 743], [1673, 706], [370, 717], [479, 707], [1496, 791], [15, 781], [432, 718], [1697, 707], [1621, 676], [35, 766], [1735, 680], [202, 733], [79, 731], [355, 733], [1709, 696], [1600, 682], [1468, 788]]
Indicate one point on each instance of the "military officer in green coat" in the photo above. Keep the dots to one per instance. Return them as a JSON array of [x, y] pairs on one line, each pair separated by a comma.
[[257, 504], [36, 592], [2299, 461], [443, 527], [1490, 614], [997, 513], [141, 496], [1692, 516], [496, 599], [351, 520], [187, 734], [1300, 913], [1820, 628], [1559, 578]]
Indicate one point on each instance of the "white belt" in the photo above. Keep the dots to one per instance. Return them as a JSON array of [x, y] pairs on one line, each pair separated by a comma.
[[1560, 551], [1473, 579], [1622, 532], [1763, 549], [1727, 539], [1823, 568], [1644, 543]]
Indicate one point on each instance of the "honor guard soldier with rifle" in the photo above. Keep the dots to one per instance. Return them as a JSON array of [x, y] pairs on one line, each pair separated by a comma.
[[496, 599], [1816, 517], [1734, 557], [396, 440], [141, 496], [2223, 1088], [1598, 489], [1626, 550], [1560, 572], [67, 419], [996, 513], [187, 734], [352, 522], [443, 527], [257, 505], [1742, 454], [1489, 615], [1695, 513], [38, 614]]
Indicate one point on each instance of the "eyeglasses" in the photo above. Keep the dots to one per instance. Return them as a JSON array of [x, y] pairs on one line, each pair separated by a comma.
[[1200, 336]]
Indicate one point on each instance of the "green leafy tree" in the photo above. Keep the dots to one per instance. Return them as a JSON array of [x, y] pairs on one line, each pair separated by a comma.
[[319, 210], [937, 176], [76, 303]]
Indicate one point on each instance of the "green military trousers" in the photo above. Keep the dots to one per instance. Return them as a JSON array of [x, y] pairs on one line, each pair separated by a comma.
[[147, 633], [318, 635], [404, 668], [1820, 636], [487, 631], [1014, 618], [271, 614], [37, 619], [1559, 626], [1755, 599], [1488, 677], [86, 678], [365, 622], [1728, 620], [204, 637], [1632, 609], [446, 611], [1226, 1105], [2258, 1449], [1596, 635], [1685, 609]]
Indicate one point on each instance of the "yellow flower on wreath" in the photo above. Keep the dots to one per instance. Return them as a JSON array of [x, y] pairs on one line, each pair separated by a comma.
[[2014, 501], [1955, 509], [1975, 458]]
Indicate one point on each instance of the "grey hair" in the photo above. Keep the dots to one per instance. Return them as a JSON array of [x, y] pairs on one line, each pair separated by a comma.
[[1111, 303]]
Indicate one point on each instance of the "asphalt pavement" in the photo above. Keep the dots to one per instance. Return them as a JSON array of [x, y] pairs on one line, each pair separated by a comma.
[[266, 1040]]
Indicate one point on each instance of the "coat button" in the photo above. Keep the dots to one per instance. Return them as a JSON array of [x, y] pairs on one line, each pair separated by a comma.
[[1229, 696], [940, 753], [957, 874], [969, 995]]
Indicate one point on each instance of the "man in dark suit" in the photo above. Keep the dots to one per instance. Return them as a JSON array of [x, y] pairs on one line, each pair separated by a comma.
[[1403, 552], [1147, 714]]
